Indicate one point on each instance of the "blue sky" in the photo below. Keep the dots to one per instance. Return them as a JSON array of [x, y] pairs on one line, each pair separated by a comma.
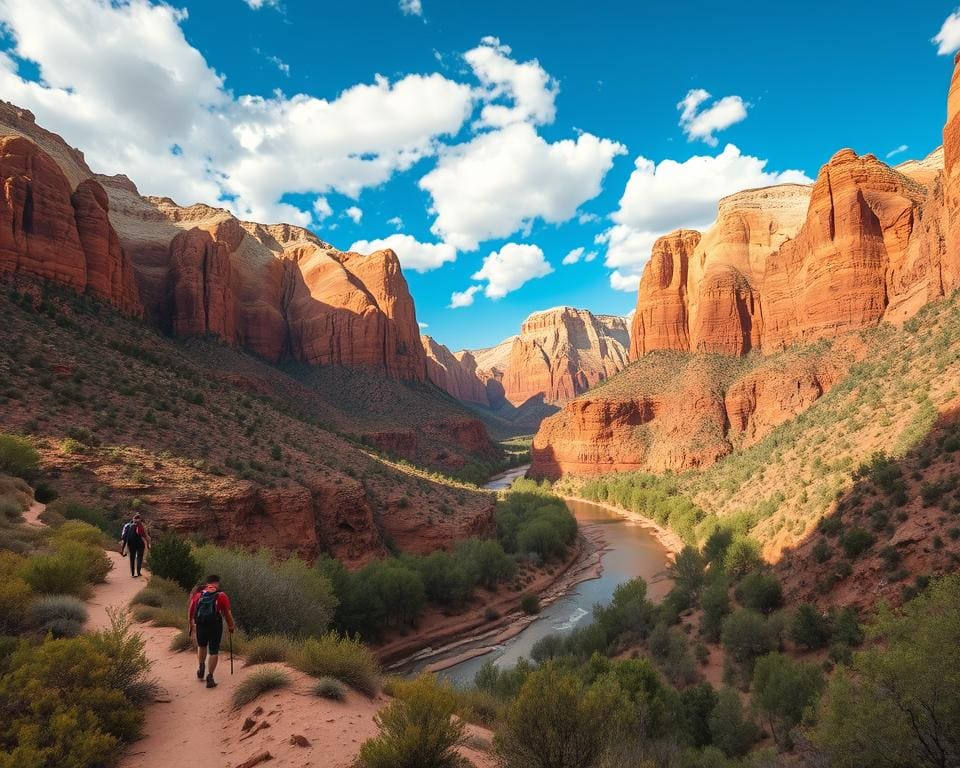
[[524, 130]]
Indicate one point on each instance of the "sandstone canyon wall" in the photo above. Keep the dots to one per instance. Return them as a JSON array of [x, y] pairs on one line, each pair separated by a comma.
[[558, 354], [277, 291], [781, 267]]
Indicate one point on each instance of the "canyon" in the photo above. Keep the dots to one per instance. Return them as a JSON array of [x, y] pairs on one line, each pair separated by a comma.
[[222, 328], [559, 353], [744, 326]]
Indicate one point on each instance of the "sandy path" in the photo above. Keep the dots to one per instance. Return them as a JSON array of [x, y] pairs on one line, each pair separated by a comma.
[[193, 727], [32, 516]]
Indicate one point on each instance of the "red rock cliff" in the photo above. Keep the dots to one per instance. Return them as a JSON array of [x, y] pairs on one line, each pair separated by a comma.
[[277, 291], [789, 264], [51, 231], [456, 374]]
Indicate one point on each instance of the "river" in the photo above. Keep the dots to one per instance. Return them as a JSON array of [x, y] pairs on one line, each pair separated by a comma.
[[631, 551]]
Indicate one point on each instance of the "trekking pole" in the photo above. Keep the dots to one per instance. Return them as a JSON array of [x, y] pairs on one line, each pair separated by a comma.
[[231, 653]]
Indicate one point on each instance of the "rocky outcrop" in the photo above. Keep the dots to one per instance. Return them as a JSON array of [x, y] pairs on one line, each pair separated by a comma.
[[50, 231], [275, 290], [558, 354], [562, 352], [456, 374], [781, 267]]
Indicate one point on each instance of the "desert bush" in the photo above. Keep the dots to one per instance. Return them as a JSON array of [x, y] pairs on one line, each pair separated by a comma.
[[532, 519], [715, 602], [745, 637], [555, 713], [731, 729], [417, 729], [15, 599], [78, 532], [821, 551], [783, 690], [856, 541], [743, 556], [269, 596], [61, 708], [18, 456], [70, 509], [129, 665], [809, 628], [760, 592], [55, 574], [162, 617], [265, 649], [345, 658], [52, 612], [530, 604], [258, 683], [171, 557], [328, 688]]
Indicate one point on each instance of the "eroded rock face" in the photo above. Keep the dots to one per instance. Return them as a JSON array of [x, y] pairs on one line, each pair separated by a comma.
[[456, 374], [49, 231], [782, 266], [562, 352], [275, 290]]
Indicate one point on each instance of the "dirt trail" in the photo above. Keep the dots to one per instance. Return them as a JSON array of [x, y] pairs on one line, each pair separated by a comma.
[[191, 726]]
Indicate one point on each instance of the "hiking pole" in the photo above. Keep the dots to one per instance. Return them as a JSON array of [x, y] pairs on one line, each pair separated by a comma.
[[231, 653]]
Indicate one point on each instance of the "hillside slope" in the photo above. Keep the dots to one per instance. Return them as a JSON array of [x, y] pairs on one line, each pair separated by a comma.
[[213, 442]]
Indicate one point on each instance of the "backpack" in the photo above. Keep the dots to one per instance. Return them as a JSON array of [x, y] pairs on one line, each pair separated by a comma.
[[207, 611], [129, 535]]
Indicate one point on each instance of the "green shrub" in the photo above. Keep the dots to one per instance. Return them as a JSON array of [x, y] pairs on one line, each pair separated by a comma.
[[162, 617], [258, 683], [821, 551], [417, 729], [809, 628], [783, 690], [743, 556], [856, 541], [266, 649], [345, 658], [93, 560], [18, 456], [172, 558], [73, 510], [556, 713], [715, 602], [128, 661], [746, 636], [79, 532], [61, 707], [530, 604], [328, 688], [732, 731], [271, 597], [760, 592], [15, 598], [52, 612], [44, 493], [56, 574]]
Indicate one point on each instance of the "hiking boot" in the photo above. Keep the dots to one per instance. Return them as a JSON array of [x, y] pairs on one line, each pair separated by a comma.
[[211, 683], [201, 670]]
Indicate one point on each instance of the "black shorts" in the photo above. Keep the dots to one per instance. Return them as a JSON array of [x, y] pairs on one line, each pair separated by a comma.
[[209, 636]]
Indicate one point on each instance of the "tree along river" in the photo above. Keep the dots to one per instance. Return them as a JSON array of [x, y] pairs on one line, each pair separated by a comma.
[[632, 550]]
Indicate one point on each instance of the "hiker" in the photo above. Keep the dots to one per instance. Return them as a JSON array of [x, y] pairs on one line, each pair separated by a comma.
[[208, 608], [134, 537]]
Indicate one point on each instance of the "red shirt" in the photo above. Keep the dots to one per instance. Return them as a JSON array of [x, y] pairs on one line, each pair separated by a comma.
[[223, 602]]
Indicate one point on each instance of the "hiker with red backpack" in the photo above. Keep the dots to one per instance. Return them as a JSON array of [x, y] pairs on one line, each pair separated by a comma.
[[209, 606]]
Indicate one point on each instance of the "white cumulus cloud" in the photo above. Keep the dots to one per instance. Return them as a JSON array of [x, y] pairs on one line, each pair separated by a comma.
[[411, 7], [421, 257], [702, 124], [321, 209], [660, 198], [503, 180], [578, 254], [354, 214], [120, 80], [526, 85], [621, 282], [510, 267], [947, 39], [463, 298]]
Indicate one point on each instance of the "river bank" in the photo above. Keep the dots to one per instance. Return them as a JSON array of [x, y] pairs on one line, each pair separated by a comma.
[[670, 540]]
